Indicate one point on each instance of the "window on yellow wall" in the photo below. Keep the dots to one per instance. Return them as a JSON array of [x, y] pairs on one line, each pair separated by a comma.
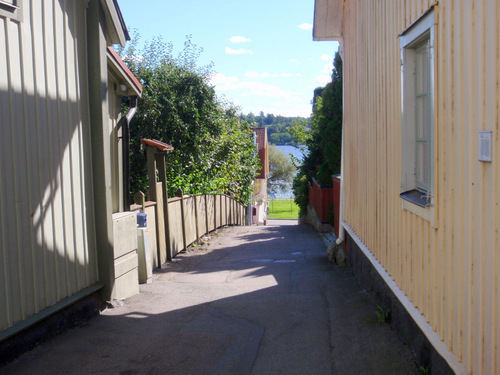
[[418, 163]]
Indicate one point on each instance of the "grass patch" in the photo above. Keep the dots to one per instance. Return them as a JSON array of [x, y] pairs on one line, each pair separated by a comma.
[[283, 209]]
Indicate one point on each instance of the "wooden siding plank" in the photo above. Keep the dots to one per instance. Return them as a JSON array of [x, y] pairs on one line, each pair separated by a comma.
[[87, 205], [44, 220], [496, 263], [32, 109], [17, 192], [477, 171], [486, 108], [79, 242], [68, 286], [53, 200], [35, 292], [5, 167]]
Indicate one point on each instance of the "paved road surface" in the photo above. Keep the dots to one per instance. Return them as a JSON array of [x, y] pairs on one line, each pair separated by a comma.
[[257, 300]]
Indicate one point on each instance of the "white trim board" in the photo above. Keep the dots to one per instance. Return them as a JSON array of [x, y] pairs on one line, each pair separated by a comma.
[[438, 344]]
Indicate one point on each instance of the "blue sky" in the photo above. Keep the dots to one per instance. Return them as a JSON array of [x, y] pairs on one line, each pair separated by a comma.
[[262, 50]]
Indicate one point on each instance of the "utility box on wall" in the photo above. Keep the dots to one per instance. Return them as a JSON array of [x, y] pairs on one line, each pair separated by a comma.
[[125, 255]]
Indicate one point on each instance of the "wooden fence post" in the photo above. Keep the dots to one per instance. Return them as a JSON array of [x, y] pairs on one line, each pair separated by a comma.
[[196, 217], [215, 213], [206, 214], [156, 152], [162, 174], [151, 160], [221, 217], [231, 213], [140, 199], [183, 221]]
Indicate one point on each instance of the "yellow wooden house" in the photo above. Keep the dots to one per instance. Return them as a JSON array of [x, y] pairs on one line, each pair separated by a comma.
[[421, 168]]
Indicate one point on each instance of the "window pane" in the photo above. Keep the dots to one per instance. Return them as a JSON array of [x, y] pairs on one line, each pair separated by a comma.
[[421, 117], [422, 165], [421, 77]]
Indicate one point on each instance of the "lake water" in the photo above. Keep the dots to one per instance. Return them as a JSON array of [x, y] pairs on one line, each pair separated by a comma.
[[297, 152], [287, 149]]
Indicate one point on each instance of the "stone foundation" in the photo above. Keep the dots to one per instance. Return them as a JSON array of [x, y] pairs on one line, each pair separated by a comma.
[[400, 320], [72, 316]]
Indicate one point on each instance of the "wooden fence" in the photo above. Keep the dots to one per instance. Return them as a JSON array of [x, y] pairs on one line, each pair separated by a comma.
[[320, 198], [186, 219]]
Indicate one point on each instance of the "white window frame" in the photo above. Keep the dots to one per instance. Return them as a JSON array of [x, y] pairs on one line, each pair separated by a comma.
[[11, 9], [417, 197]]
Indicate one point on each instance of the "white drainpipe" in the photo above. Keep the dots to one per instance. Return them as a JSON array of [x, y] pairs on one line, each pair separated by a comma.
[[341, 237]]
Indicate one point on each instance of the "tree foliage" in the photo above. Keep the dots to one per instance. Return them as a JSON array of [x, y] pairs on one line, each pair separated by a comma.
[[281, 171], [324, 142], [213, 149], [280, 129]]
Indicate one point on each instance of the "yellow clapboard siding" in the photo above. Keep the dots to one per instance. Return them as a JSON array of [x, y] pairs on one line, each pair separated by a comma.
[[450, 271]]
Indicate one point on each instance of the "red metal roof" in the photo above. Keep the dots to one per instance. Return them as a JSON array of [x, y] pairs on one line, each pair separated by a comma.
[[159, 145], [125, 68]]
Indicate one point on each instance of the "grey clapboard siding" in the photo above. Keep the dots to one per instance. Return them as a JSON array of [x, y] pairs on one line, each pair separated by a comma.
[[47, 245]]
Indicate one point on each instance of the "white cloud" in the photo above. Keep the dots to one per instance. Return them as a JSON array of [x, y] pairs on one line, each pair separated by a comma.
[[261, 96], [262, 89], [322, 80], [223, 82], [305, 26], [326, 57], [240, 51], [251, 74], [327, 69], [295, 61], [239, 39]]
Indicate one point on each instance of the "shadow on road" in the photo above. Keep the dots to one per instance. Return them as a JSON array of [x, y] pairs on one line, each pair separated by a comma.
[[257, 300]]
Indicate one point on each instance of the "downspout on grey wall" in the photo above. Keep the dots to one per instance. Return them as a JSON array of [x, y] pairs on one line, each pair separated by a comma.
[[100, 145], [126, 150]]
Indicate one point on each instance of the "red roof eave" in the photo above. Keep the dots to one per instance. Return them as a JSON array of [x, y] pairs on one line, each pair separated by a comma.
[[157, 144], [125, 70]]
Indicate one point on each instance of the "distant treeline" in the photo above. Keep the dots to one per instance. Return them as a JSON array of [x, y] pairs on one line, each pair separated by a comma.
[[280, 129]]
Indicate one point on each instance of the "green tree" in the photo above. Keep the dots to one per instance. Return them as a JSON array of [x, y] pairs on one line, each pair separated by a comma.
[[213, 149], [281, 171], [286, 128], [324, 142], [299, 132]]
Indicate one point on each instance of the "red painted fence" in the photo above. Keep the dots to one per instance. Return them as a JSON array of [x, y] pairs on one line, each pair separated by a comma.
[[321, 198]]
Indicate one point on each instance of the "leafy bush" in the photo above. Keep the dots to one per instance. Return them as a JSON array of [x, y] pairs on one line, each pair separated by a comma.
[[331, 215], [324, 142], [213, 149]]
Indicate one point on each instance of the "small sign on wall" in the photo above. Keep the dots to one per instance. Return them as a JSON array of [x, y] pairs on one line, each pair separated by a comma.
[[485, 146]]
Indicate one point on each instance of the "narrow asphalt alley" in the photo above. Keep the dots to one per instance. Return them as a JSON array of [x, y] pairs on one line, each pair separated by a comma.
[[256, 300]]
